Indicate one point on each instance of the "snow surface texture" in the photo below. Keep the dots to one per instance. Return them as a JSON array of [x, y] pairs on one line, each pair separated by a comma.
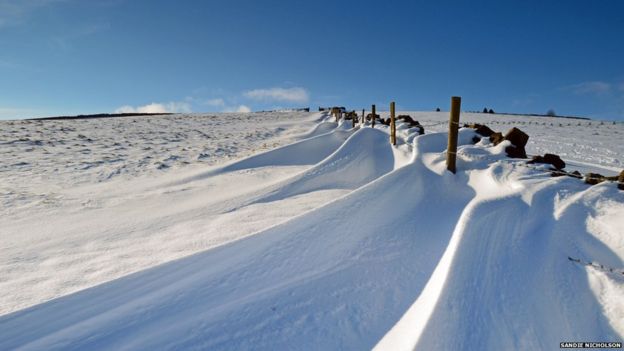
[[357, 245], [38, 159]]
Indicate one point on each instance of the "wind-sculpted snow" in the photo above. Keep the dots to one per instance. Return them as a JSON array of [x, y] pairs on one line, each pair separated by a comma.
[[506, 273], [308, 151], [366, 245], [365, 156], [344, 271]]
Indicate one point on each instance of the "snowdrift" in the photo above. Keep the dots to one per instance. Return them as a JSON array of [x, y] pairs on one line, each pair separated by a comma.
[[410, 257]]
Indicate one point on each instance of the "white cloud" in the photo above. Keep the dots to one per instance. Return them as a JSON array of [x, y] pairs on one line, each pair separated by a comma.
[[297, 94], [169, 107], [218, 102], [240, 109], [243, 108], [594, 88]]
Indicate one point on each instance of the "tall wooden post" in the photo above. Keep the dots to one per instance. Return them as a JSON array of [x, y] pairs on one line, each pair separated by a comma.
[[363, 121], [353, 118], [392, 125], [373, 116], [451, 152]]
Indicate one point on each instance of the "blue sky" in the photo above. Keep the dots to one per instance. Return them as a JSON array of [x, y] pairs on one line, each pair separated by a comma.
[[72, 57]]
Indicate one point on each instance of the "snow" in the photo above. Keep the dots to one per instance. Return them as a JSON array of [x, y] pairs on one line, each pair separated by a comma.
[[579, 142], [335, 240], [85, 151], [57, 238]]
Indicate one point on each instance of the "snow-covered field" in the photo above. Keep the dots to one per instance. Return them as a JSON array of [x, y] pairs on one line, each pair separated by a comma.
[[83, 201], [39, 158], [355, 243]]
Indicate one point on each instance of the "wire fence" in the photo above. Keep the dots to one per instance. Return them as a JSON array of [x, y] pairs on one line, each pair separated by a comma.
[[589, 178]]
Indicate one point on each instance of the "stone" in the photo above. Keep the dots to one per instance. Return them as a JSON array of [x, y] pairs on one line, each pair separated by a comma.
[[594, 178], [485, 131], [370, 116], [406, 119], [411, 123], [350, 115], [481, 129], [554, 160], [497, 138], [550, 159], [515, 152], [517, 137]]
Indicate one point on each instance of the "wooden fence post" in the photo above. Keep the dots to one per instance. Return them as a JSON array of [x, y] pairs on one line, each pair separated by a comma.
[[392, 125], [451, 151], [363, 122], [373, 116]]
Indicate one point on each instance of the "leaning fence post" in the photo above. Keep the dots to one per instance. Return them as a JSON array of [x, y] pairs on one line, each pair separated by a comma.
[[392, 125], [451, 151], [373, 116]]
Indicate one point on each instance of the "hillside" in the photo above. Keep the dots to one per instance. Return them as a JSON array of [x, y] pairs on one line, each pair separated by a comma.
[[335, 240]]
